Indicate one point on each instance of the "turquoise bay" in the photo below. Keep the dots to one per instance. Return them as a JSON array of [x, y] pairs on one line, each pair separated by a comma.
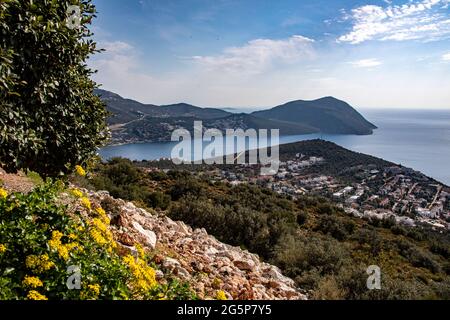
[[419, 139]]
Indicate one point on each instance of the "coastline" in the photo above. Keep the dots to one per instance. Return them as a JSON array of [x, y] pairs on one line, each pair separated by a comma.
[[436, 180]]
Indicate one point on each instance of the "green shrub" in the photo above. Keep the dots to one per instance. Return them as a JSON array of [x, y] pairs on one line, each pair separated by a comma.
[[29, 224], [442, 249], [158, 176], [159, 200], [185, 186], [334, 226], [418, 257], [398, 230], [302, 217], [238, 219], [309, 259], [122, 179], [370, 238], [50, 119], [40, 240]]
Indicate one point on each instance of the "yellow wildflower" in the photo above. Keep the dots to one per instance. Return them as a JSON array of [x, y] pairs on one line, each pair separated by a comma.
[[106, 220], [100, 211], [63, 252], [77, 193], [2, 248], [97, 223], [95, 289], [57, 235], [32, 282], [39, 264], [100, 231], [97, 236], [86, 203], [34, 295], [80, 171], [140, 251], [74, 245], [55, 244], [221, 295], [144, 275], [72, 236], [3, 193]]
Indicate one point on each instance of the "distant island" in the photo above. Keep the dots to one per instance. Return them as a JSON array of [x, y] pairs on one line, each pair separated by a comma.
[[135, 122]]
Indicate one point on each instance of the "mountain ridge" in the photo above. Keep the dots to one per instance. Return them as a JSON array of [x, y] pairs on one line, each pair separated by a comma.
[[132, 121]]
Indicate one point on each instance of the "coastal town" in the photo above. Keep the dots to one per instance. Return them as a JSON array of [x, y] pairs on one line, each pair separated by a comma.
[[390, 192]]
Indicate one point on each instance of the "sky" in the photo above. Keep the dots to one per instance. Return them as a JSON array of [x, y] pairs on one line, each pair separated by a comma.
[[263, 53]]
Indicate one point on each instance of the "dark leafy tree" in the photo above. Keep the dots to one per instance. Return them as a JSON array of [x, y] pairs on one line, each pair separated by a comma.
[[50, 119]]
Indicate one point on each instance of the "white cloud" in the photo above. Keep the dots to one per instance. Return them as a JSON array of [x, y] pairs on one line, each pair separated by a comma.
[[115, 46], [122, 71], [366, 63], [446, 57], [117, 57], [424, 20], [119, 71], [258, 55]]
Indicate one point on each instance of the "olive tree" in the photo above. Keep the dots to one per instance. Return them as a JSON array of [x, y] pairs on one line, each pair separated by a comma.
[[50, 118]]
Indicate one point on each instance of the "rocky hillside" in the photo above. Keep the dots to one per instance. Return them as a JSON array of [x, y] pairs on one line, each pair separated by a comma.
[[196, 257], [209, 268]]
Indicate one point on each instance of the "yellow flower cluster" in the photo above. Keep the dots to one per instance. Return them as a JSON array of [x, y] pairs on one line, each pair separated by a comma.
[[72, 236], [80, 171], [55, 244], [77, 193], [220, 295], [2, 248], [39, 264], [100, 211], [103, 215], [86, 203], [98, 237], [140, 251], [99, 225], [32, 282], [91, 292], [34, 295], [63, 249], [144, 275], [95, 289], [3, 193], [100, 230]]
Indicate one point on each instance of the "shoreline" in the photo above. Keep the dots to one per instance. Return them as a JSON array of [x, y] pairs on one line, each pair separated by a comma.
[[437, 180]]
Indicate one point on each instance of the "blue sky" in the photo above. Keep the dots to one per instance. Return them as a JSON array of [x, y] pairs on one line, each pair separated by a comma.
[[229, 53]]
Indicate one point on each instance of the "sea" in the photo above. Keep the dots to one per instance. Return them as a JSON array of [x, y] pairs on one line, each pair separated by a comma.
[[419, 139]]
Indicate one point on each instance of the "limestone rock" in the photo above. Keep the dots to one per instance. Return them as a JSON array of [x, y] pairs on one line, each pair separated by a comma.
[[149, 236], [244, 264]]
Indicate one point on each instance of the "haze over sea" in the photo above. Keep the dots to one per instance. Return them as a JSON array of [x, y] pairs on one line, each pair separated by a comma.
[[419, 139]]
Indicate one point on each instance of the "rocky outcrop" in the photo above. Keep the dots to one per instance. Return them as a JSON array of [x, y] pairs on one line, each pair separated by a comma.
[[194, 256]]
